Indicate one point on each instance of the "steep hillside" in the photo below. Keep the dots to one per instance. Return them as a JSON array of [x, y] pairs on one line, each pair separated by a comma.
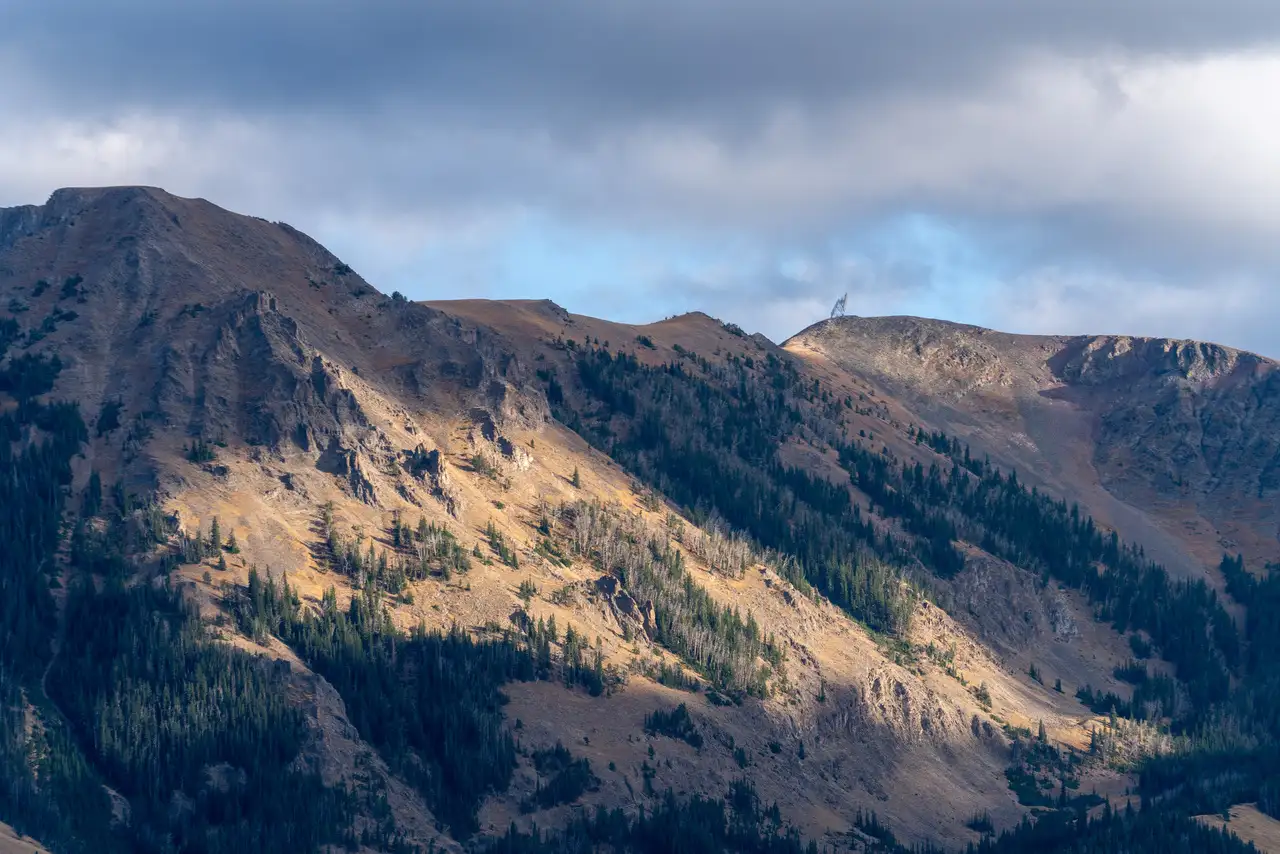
[[838, 479], [1175, 443], [353, 570]]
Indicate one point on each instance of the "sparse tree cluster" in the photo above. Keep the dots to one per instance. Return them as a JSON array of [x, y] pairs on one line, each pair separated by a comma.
[[415, 554], [721, 643], [561, 779]]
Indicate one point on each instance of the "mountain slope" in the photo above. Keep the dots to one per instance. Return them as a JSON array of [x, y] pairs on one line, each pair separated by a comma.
[[398, 499], [1173, 442], [205, 334]]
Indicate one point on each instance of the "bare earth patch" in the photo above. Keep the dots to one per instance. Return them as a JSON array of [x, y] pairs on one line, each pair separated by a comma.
[[1251, 825]]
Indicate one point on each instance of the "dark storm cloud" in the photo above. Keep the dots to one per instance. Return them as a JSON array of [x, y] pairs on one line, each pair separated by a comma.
[[593, 61]]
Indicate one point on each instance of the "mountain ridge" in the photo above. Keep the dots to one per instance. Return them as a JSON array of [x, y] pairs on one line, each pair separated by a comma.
[[664, 488], [64, 204], [1028, 394], [882, 322]]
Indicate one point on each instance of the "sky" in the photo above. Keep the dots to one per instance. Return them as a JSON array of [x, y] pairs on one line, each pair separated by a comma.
[[1089, 166]]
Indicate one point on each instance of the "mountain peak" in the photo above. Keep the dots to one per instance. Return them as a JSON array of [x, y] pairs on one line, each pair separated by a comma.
[[68, 203], [140, 235], [948, 346], [73, 195], [900, 325]]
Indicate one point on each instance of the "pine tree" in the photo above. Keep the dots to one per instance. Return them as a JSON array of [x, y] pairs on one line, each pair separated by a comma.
[[215, 535], [93, 495], [232, 545], [577, 478]]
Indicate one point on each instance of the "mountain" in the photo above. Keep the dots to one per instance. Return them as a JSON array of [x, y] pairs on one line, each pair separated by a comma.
[[294, 564], [1175, 443]]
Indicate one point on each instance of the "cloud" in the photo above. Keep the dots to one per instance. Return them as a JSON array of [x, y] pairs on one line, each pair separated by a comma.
[[760, 158], [655, 57]]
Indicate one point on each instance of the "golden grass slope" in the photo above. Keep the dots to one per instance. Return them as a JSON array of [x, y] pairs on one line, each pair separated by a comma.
[[11, 843]]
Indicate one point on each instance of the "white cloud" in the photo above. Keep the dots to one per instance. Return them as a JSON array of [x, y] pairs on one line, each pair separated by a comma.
[[1235, 311], [1186, 144], [1158, 147]]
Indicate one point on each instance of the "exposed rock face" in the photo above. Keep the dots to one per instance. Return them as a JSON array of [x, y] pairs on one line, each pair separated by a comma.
[[1110, 358], [16, 223], [1184, 421], [625, 608], [345, 464], [200, 322], [431, 468], [284, 390], [1175, 443], [887, 705], [497, 450], [1007, 607]]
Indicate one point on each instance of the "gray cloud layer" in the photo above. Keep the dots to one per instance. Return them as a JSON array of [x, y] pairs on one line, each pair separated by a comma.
[[598, 59], [1120, 154]]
